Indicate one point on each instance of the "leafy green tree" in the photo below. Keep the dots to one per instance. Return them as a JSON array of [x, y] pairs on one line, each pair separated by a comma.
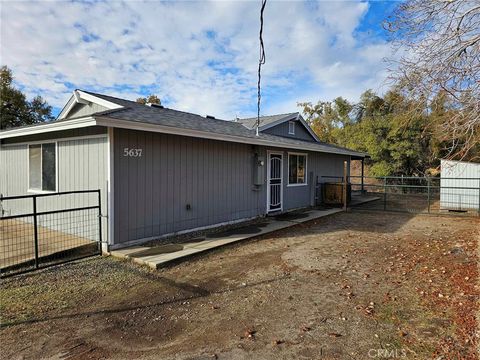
[[151, 99], [15, 109], [385, 127], [326, 118], [394, 137]]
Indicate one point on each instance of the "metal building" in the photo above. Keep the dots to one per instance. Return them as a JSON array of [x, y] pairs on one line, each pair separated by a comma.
[[459, 185]]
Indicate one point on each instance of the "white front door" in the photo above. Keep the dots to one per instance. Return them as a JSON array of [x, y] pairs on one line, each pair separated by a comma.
[[274, 182]]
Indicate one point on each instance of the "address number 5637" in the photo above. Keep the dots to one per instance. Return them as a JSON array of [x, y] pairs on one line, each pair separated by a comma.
[[132, 152]]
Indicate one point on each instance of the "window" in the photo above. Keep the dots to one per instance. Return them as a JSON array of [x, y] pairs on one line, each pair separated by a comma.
[[291, 127], [42, 172], [297, 168]]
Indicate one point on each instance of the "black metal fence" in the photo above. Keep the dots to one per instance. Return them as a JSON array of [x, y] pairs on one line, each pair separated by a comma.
[[39, 230], [456, 196]]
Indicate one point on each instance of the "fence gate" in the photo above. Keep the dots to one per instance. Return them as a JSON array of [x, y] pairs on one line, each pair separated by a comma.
[[40, 230], [432, 195]]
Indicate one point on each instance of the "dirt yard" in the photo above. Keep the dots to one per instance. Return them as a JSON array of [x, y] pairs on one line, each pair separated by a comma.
[[349, 286], [17, 242]]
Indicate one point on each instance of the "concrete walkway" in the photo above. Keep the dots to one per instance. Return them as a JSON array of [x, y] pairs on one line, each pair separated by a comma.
[[157, 256]]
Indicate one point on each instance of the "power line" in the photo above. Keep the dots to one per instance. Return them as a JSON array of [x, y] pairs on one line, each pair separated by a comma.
[[261, 61]]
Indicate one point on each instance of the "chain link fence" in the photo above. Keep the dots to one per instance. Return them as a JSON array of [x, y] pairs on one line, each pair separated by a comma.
[[432, 195]]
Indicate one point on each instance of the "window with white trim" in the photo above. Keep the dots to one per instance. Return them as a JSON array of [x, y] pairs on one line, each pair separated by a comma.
[[297, 169], [42, 167], [291, 127]]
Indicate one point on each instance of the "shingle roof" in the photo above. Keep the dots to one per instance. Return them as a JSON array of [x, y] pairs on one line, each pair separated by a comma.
[[140, 113], [178, 120], [133, 111], [251, 123]]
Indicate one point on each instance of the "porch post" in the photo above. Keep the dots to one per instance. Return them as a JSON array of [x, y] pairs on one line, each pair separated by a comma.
[[363, 171], [345, 184]]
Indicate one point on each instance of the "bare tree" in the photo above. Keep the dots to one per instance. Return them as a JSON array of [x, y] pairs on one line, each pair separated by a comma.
[[438, 52]]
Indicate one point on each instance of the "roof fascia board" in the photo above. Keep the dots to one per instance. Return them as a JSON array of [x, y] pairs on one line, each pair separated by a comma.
[[78, 99], [289, 118], [54, 126], [309, 129], [81, 97], [67, 108], [94, 99], [141, 126]]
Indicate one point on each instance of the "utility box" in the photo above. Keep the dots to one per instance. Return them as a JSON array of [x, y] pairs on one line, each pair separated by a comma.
[[258, 170], [332, 193]]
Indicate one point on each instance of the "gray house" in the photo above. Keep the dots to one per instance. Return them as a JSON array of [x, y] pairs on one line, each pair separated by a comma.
[[162, 171]]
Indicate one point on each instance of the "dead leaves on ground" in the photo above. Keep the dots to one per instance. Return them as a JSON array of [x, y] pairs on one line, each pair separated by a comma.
[[249, 334], [334, 334]]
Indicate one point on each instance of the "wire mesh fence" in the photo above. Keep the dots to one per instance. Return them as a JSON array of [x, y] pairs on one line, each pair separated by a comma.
[[458, 196], [45, 229]]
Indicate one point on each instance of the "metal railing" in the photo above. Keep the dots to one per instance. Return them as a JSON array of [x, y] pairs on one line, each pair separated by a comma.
[[40, 230], [443, 195]]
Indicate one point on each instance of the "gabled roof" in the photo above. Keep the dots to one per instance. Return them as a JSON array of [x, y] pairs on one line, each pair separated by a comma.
[[128, 114], [251, 123], [267, 122], [85, 97]]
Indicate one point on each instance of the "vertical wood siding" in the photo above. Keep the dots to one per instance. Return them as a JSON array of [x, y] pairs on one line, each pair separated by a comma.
[[152, 191], [282, 130], [82, 165], [319, 164], [80, 110]]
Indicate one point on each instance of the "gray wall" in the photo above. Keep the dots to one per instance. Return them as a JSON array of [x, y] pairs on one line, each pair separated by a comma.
[[318, 164], [82, 165], [152, 191], [282, 130], [80, 110]]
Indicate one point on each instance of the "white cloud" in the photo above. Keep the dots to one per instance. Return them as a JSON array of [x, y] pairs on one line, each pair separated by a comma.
[[197, 56]]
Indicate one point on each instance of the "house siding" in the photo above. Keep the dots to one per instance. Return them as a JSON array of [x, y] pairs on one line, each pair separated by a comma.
[[318, 165], [282, 130], [82, 165], [80, 110], [152, 191]]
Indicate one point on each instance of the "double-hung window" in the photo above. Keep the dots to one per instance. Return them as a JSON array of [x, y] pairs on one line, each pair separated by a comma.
[[42, 167], [297, 169]]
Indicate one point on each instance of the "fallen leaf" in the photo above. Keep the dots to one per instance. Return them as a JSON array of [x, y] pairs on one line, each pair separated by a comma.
[[250, 333], [332, 334]]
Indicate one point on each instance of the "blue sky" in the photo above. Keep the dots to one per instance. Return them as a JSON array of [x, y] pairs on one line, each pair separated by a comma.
[[197, 56]]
